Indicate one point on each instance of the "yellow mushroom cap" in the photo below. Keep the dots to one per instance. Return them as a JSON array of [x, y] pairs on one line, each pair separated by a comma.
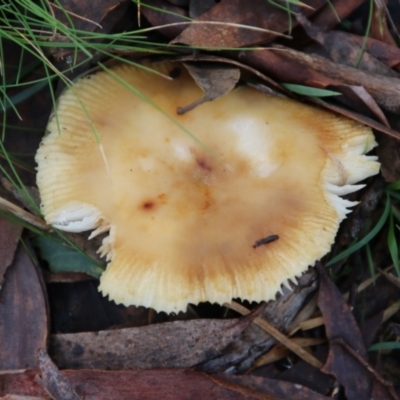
[[188, 199]]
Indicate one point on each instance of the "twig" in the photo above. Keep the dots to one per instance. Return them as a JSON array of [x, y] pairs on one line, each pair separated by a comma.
[[277, 335], [24, 215]]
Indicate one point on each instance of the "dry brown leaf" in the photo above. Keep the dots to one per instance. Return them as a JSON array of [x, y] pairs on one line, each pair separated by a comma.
[[347, 359], [389, 155], [23, 314], [358, 99], [269, 20], [287, 65], [379, 29], [85, 16], [215, 80], [388, 54], [162, 13], [335, 11], [344, 48], [9, 237]]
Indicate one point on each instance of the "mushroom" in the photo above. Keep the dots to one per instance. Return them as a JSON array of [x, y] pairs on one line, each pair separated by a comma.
[[230, 200]]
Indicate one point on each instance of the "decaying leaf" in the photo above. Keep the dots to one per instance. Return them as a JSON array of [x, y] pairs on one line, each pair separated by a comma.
[[239, 23], [343, 48], [287, 65], [335, 11], [389, 153], [9, 237], [160, 13], [214, 79], [347, 359], [23, 314], [83, 15]]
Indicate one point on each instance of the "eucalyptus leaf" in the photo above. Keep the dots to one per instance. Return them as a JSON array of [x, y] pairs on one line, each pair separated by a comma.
[[62, 258]]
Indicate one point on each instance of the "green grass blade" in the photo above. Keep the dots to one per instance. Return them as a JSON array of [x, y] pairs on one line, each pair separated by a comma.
[[309, 91], [385, 346], [393, 186], [370, 260], [392, 244]]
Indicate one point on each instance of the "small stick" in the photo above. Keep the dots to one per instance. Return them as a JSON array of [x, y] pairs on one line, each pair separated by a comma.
[[275, 333], [24, 215]]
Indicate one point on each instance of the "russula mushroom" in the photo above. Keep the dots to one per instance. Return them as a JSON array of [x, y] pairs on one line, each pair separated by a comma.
[[230, 200]]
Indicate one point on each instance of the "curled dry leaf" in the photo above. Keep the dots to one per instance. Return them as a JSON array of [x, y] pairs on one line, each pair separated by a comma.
[[215, 79]]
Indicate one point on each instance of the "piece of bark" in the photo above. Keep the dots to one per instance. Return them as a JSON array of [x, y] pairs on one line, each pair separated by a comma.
[[240, 355], [177, 344], [23, 314], [52, 380]]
